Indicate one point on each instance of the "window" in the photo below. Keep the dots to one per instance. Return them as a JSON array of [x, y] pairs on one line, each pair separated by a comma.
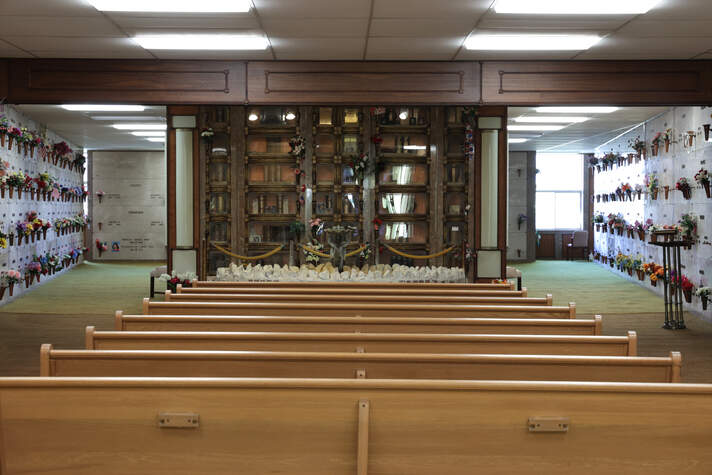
[[559, 191]]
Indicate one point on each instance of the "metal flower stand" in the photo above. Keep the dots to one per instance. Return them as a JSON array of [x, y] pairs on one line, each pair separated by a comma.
[[674, 319]]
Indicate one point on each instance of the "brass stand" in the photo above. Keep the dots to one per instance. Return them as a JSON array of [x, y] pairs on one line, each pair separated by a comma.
[[674, 319]]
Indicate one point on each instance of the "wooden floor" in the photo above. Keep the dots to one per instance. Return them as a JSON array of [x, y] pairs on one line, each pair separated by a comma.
[[21, 335]]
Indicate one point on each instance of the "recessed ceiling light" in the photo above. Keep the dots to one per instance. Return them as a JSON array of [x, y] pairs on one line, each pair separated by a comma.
[[403, 115], [290, 116], [148, 133], [140, 126], [185, 6], [576, 110], [215, 42], [551, 120], [524, 42], [156, 139], [518, 140], [543, 128], [253, 117], [414, 147], [102, 108], [569, 7]]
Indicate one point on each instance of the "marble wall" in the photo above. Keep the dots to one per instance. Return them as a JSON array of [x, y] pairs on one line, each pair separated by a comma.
[[131, 217], [15, 210], [682, 160], [521, 193]]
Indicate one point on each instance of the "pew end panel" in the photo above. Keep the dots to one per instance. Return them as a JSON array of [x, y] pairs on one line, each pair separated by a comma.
[[119, 320], [89, 333], [632, 343], [598, 319]]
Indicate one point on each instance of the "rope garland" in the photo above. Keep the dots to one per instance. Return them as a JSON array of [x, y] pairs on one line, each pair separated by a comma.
[[353, 253], [412, 256], [248, 258], [321, 254]]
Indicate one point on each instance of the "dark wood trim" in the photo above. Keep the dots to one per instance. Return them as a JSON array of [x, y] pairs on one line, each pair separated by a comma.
[[597, 82], [171, 192], [502, 195], [366, 82], [144, 81], [4, 79]]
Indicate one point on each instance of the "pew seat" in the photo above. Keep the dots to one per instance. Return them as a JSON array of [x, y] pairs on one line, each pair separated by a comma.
[[338, 309], [263, 364], [529, 326], [359, 285], [115, 426], [363, 342]]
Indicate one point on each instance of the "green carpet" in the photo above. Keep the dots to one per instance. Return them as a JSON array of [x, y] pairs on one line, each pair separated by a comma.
[[594, 288], [91, 288]]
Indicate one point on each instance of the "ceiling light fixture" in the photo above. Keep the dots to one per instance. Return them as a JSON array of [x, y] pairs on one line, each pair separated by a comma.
[[156, 139], [551, 120], [290, 116], [568, 7], [215, 42], [403, 115], [414, 147], [576, 110], [140, 126], [134, 118], [102, 108], [524, 42], [252, 117], [148, 133], [533, 127], [518, 140], [172, 6]]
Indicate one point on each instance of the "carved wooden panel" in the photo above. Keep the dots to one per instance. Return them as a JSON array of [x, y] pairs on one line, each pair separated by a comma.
[[150, 82], [363, 82], [597, 82]]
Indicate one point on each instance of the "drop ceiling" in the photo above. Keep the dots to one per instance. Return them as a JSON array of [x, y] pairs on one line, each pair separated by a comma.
[[584, 137], [79, 127], [350, 30]]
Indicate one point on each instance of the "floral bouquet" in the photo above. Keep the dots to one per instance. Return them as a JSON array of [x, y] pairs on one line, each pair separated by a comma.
[[686, 286], [101, 247], [684, 186], [309, 256], [360, 166], [297, 146], [100, 195], [688, 226], [639, 146], [639, 228], [703, 293], [703, 178], [185, 279], [14, 135], [10, 278], [4, 128], [652, 184]]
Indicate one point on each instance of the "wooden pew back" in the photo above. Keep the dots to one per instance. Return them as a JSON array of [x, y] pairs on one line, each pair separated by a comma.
[[87, 426], [249, 364], [338, 309], [526, 326], [360, 285], [347, 299], [368, 291], [364, 343]]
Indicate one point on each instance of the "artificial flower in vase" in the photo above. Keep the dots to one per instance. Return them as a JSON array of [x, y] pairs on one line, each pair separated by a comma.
[[684, 186], [706, 128], [100, 195], [703, 178]]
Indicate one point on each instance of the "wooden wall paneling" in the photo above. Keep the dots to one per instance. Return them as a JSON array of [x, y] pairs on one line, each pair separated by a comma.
[[547, 246], [142, 81], [435, 183], [4, 80], [343, 82], [202, 181], [597, 82], [238, 179]]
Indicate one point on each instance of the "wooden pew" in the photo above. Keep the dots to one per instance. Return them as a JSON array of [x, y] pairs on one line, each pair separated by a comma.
[[364, 342], [352, 292], [358, 300], [272, 426], [359, 285], [112, 426], [262, 364], [516, 326], [338, 309]]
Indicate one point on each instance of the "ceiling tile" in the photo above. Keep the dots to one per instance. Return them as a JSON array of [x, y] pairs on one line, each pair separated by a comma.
[[185, 22], [318, 48], [268, 9], [49, 26], [641, 28], [44, 46], [48, 8], [416, 27], [413, 48], [311, 28], [469, 9], [680, 10], [617, 47]]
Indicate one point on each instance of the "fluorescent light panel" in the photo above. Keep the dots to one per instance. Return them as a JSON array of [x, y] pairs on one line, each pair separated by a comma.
[[133, 118], [102, 108], [575, 7], [551, 120], [524, 42], [145, 133], [215, 42], [174, 6], [156, 139], [576, 110], [414, 147], [542, 128], [518, 140], [140, 126]]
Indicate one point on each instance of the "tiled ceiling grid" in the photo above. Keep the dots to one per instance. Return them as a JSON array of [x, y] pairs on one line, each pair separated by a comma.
[[351, 30]]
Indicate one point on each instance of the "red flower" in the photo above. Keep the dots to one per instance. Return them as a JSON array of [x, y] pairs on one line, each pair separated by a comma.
[[377, 139]]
